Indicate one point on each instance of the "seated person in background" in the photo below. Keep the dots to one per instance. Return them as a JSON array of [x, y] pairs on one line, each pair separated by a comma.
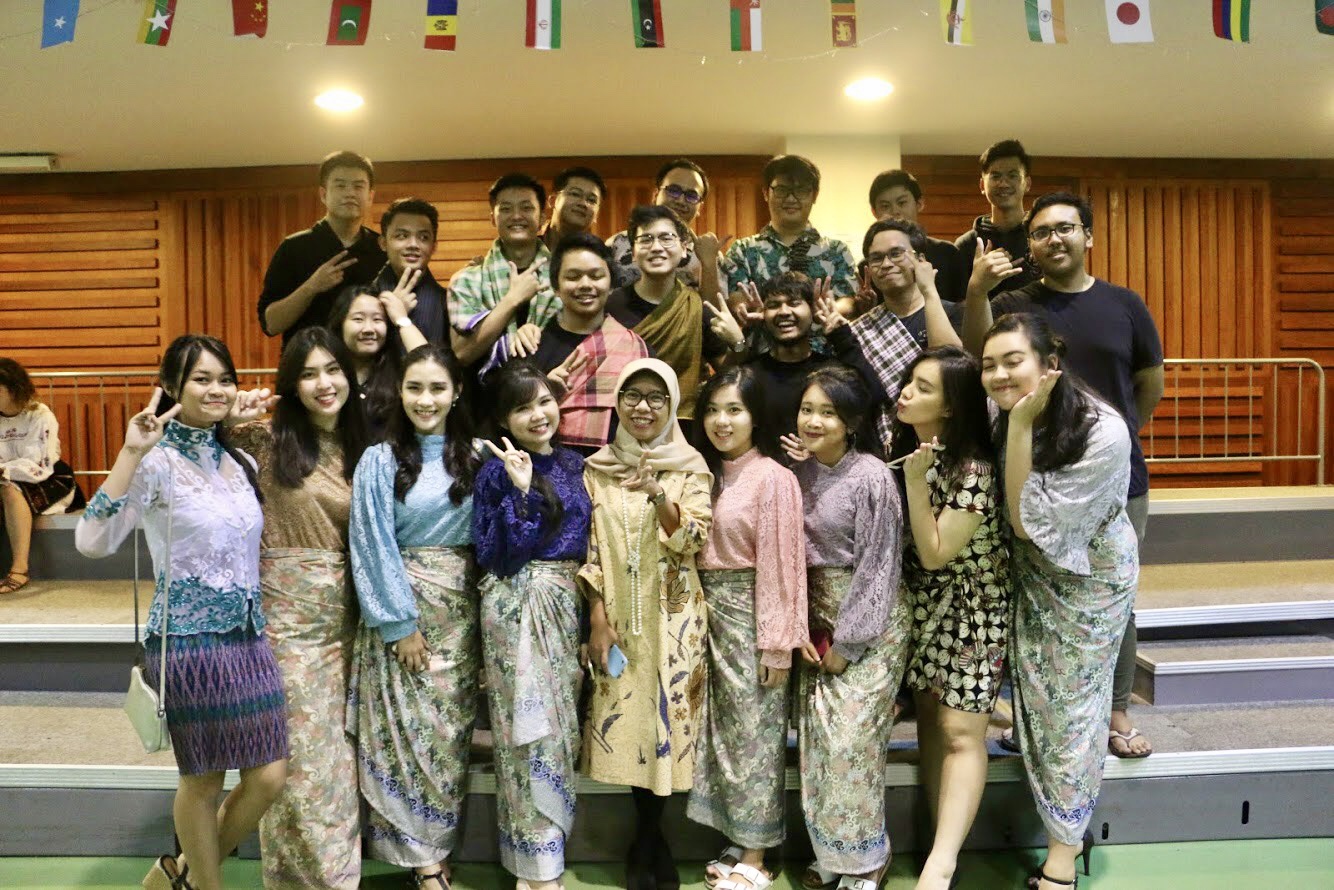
[[680, 186], [33, 478], [508, 289], [583, 348], [409, 227], [896, 194], [576, 196], [670, 316]]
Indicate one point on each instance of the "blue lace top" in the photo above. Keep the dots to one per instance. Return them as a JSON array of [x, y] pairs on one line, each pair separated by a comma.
[[381, 525], [189, 481], [507, 528]]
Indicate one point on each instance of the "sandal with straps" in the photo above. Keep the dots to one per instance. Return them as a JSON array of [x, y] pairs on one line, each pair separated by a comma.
[[160, 878], [11, 585], [419, 880], [717, 869], [1073, 883], [756, 878], [815, 877]]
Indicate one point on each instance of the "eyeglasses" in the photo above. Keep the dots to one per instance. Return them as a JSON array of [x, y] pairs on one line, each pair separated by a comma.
[[1062, 230], [630, 398], [589, 198], [783, 192], [894, 255], [666, 239], [676, 193]]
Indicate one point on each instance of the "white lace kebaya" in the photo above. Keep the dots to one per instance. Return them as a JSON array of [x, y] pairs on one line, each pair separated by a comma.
[[215, 530]]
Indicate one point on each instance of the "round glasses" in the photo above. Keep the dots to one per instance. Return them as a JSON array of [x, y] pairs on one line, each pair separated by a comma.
[[630, 398]]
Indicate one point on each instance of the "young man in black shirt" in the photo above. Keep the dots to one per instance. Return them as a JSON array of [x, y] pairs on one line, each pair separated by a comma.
[[1005, 181], [410, 226], [576, 197], [310, 267], [896, 194]]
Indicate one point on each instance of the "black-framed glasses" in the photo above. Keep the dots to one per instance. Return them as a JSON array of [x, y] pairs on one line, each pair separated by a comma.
[[666, 239], [783, 192], [676, 193], [630, 398], [894, 255], [1061, 230]]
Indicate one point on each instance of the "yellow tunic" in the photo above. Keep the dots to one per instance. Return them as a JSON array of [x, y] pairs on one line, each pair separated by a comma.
[[642, 726]]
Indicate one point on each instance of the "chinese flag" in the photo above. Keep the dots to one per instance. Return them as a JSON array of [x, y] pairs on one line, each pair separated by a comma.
[[349, 22], [250, 18]]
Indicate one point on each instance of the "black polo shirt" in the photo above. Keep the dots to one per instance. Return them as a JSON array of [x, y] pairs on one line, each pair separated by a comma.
[[297, 258]]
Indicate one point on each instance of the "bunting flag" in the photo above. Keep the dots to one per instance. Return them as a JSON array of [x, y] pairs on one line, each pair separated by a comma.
[[956, 22], [442, 24], [349, 22], [250, 18], [155, 26], [745, 17], [647, 16], [1324, 16], [843, 22], [543, 28], [1232, 20], [1046, 20], [58, 17], [1128, 21]]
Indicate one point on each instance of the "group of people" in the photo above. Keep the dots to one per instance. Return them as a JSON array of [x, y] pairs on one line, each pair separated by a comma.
[[654, 498]]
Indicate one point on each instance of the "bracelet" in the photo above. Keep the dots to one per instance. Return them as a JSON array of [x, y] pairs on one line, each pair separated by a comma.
[[658, 499]]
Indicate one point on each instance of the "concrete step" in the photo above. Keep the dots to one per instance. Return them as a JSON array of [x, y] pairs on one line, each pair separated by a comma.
[[1222, 524], [1204, 594], [1255, 669]]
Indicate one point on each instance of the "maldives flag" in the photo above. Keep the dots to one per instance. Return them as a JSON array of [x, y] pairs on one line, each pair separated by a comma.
[[1324, 16], [1128, 21], [349, 22], [1232, 20], [745, 17], [647, 16], [542, 30], [956, 22], [442, 24], [250, 18], [843, 22], [155, 28], [1046, 20]]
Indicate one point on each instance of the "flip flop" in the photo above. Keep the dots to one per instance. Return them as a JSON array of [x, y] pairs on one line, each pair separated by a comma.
[[1126, 737], [11, 585]]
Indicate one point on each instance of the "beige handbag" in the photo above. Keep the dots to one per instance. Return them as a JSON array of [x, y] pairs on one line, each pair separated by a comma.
[[144, 705]]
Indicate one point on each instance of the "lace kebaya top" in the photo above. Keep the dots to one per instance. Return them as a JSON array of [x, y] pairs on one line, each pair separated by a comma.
[[507, 527]]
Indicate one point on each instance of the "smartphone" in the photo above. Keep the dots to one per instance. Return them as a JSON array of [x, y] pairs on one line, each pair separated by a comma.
[[616, 661]]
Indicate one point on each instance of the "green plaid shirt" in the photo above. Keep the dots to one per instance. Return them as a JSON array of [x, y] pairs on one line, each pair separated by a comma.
[[477, 288]]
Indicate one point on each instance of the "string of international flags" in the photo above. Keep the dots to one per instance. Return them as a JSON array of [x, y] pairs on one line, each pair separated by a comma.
[[1128, 21]]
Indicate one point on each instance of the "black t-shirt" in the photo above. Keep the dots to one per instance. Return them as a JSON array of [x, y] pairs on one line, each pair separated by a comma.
[[1109, 336], [297, 258], [916, 323], [555, 346], [782, 383], [629, 308], [944, 258], [1013, 240]]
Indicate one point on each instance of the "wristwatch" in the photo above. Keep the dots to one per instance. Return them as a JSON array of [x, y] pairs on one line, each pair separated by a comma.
[[403, 322], [658, 499]]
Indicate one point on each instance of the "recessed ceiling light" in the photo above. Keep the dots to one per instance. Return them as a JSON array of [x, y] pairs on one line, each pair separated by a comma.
[[868, 89], [339, 100]]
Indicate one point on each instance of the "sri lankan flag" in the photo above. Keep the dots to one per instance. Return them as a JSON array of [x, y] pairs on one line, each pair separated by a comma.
[[956, 22], [843, 22], [745, 17], [349, 22], [155, 25], [442, 23], [1232, 20], [647, 15], [1046, 20]]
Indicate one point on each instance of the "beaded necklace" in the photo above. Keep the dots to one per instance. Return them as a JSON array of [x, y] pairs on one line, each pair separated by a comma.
[[632, 544]]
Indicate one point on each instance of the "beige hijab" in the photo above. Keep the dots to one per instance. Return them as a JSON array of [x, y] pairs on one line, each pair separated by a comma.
[[668, 452]]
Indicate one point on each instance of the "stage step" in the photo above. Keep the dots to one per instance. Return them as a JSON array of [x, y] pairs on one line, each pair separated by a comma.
[[1255, 669], [1222, 593], [1222, 524]]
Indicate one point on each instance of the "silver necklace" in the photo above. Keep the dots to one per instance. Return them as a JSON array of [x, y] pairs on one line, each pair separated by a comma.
[[632, 544]]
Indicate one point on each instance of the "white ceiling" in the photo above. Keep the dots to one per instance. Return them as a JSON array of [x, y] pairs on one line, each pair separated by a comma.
[[211, 100]]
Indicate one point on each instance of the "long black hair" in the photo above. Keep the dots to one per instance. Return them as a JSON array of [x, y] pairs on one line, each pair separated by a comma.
[[1071, 411], [460, 459], [514, 384], [178, 362], [966, 429], [748, 385], [296, 449], [381, 386], [852, 403]]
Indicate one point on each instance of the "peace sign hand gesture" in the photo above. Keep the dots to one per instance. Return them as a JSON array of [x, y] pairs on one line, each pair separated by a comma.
[[146, 428], [518, 463], [403, 298], [643, 479], [721, 322], [251, 404], [574, 363], [826, 307], [750, 309]]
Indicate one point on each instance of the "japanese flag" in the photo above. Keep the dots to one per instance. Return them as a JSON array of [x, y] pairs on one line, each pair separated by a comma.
[[1128, 21]]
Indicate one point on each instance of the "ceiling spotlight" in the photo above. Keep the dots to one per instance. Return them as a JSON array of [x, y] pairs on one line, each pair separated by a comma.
[[868, 89], [339, 100]]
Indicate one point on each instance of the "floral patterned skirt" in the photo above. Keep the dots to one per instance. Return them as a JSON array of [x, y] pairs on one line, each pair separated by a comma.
[[311, 836], [844, 721], [530, 640], [413, 730], [740, 753], [960, 627]]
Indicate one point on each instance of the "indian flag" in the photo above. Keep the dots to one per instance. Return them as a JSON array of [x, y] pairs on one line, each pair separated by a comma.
[[745, 16], [956, 22], [1046, 20], [543, 28]]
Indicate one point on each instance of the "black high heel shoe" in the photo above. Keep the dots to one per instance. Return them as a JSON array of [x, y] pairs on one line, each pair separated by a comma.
[[1085, 852], [639, 866]]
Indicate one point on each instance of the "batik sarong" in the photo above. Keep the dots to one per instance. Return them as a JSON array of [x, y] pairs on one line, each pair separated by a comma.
[[844, 722], [413, 730], [311, 836], [530, 638], [740, 752]]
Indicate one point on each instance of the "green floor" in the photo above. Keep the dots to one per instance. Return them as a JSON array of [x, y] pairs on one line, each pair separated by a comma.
[[1300, 864]]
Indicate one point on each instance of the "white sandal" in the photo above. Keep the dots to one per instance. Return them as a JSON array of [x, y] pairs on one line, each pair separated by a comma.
[[848, 882], [758, 879], [720, 868], [814, 870]]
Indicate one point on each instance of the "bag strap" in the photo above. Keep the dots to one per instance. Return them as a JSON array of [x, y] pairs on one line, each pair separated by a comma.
[[166, 595]]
